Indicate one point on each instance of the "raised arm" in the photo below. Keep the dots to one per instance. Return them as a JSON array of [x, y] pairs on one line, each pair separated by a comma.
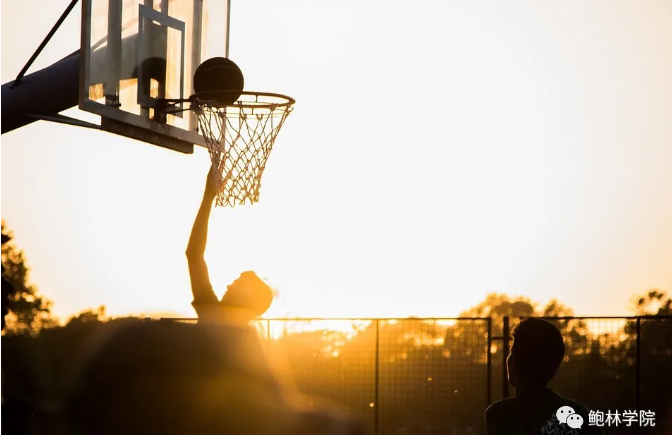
[[198, 269]]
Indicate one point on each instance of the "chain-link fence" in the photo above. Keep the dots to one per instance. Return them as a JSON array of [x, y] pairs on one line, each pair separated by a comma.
[[437, 376], [419, 376]]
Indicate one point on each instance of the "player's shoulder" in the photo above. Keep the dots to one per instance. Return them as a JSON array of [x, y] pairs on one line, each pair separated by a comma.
[[502, 416], [577, 406], [501, 408]]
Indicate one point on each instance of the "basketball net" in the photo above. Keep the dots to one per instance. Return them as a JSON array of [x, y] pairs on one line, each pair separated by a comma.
[[240, 138]]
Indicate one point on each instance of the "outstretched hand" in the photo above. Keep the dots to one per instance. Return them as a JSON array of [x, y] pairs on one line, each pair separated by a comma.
[[211, 183]]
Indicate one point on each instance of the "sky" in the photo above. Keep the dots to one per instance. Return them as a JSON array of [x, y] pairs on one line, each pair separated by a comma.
[[438, 151]]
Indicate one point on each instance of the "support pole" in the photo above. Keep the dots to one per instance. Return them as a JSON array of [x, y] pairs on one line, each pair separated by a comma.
[[505, 354], [376, 400], [44, 43], [46, 92], [638, 365], [489, 363]]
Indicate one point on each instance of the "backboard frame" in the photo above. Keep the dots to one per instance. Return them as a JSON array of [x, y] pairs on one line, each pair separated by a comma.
[[125, 123], [151, 14]]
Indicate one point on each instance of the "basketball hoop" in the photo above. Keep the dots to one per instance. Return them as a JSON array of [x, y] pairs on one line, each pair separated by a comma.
[[240, 138]]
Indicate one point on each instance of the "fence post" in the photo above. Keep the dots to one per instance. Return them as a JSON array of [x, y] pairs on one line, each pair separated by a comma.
[[638, 378], [505, 353], [489, 362], [376, 403], [268, 329]]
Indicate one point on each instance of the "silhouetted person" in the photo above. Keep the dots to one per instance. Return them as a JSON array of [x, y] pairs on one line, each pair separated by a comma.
[[246, 298], [536, 354], [146, 378]]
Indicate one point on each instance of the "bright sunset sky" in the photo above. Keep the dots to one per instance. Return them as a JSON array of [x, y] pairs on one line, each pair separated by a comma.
[[439, 150]]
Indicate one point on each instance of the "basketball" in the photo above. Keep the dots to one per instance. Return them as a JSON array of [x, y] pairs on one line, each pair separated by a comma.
[[219, 79]]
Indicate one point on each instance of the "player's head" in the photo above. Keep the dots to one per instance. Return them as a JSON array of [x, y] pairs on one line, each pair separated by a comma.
[[250, 293], [536, 353]]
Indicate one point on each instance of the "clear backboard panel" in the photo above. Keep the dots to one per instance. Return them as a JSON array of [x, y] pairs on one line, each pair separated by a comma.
[[135, 52]]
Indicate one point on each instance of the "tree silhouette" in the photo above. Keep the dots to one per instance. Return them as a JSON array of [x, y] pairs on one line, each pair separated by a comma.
[[654, 302], [497, 306], [28, 311]]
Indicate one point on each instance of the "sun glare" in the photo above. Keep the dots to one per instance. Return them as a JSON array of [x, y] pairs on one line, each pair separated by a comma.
[[349, 328]]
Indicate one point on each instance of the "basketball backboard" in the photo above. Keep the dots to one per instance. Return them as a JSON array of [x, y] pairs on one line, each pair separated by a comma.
[[137, 51]]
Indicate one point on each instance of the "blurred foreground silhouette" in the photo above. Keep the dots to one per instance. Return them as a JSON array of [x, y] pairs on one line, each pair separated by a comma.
[[179, 379]]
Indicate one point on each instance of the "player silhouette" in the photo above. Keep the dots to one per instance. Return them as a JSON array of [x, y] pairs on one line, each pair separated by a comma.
[[246, 298], [536, 354]]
